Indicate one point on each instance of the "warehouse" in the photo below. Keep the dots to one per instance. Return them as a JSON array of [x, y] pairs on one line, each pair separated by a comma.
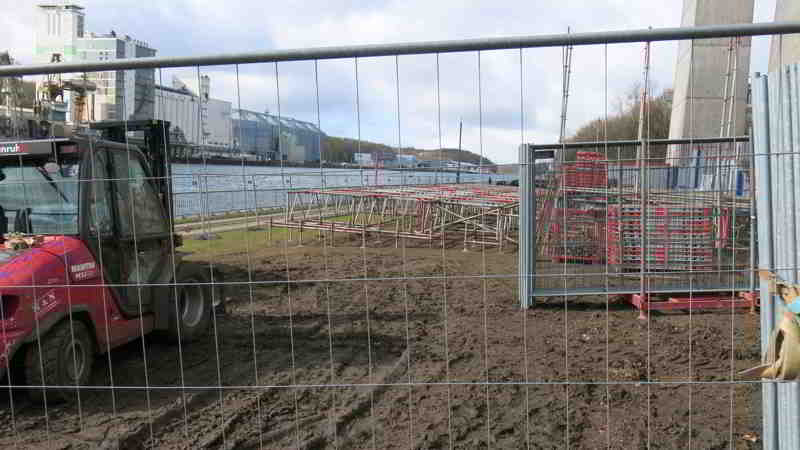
[[257, 133]]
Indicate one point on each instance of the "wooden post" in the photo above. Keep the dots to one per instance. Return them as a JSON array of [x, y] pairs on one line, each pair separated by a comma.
[[397, 232], [501, 234], [466, 229], [300, 239], [363, 237]]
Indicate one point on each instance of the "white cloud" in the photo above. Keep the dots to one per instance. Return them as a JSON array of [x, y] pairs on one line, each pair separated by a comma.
[[184, 27]]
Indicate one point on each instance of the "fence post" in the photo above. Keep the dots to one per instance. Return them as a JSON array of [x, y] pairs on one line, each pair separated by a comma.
[[761, 189], [527, 226]]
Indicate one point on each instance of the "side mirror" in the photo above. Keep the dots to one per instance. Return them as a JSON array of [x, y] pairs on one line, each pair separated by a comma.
[[51, 167]]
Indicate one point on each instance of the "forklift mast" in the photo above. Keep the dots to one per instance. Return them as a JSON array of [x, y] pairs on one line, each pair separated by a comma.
[[156, 150]]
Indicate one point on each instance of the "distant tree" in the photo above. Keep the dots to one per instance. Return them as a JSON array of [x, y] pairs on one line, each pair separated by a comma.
[[624, 123], [338, 149]]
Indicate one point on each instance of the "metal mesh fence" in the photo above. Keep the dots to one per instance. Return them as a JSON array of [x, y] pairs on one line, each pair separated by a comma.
[[609, 300]]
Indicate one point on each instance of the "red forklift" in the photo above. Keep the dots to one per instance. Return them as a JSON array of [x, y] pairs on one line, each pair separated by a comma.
[[88, 258]]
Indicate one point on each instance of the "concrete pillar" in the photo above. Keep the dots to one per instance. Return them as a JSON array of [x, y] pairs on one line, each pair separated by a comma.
[[700, 74], [786, 50]]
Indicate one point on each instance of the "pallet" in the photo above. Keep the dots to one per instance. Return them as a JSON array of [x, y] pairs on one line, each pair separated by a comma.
[[705, 301]]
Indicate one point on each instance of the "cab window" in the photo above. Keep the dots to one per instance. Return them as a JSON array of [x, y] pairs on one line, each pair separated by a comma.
[[139, 208]]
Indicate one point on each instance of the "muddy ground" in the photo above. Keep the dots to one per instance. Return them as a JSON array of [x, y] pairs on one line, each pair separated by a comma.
[[432, 351]]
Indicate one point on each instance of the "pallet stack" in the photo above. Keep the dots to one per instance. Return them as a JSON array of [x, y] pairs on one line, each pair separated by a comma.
[[588, 171], [679, 238], [575, 236]]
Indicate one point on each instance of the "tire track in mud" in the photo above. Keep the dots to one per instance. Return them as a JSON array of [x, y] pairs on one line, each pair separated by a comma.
[[316, 425], [240, 427], [203, 407]]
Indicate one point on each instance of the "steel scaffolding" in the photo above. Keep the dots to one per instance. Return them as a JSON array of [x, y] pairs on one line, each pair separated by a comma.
[[473, 214]]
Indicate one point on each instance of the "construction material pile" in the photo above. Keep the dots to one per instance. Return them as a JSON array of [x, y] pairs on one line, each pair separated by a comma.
[[576, 236], [679, 237], [588, 171]]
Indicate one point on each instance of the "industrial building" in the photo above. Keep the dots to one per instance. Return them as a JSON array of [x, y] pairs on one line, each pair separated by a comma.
[[407, 161], [257, 133], [122, 94], [363, 159], [198, 119]]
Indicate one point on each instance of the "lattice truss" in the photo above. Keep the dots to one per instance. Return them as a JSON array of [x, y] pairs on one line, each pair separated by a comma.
[[476, 215]]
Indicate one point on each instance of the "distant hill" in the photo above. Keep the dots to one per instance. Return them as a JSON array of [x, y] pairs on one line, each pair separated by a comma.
[[452, 154], [337, 149]]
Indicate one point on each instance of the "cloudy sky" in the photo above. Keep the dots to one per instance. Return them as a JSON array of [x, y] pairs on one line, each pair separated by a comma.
[[504, 111]]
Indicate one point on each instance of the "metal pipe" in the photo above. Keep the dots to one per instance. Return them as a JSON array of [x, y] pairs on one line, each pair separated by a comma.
[[761, 188], [636, 142], [527, 226], [417, 48]]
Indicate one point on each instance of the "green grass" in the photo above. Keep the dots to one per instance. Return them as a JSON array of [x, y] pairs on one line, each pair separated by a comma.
[[236, 241]]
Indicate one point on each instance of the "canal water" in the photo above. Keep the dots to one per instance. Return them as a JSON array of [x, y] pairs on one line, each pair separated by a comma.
[[215, 189]]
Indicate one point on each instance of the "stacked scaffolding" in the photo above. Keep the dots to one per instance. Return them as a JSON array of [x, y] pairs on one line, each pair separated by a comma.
[[679, 237], [576, 235], [571, 211], [589, 171], [474, 214]]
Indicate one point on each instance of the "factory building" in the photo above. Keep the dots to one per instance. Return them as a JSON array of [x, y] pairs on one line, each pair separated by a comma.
[[407, 161], [122, 94], [363, 159], [257, 133], [198, 118]]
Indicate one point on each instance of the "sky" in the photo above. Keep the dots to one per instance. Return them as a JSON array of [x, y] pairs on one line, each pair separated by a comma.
[[520, 95]]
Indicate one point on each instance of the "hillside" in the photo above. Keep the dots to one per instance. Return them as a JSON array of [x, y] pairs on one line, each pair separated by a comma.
[[337, 149]]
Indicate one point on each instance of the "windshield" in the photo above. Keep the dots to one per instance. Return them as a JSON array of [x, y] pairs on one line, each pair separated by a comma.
[[37, 201]]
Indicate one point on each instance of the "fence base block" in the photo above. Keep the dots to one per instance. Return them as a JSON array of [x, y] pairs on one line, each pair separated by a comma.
[[687, 302]]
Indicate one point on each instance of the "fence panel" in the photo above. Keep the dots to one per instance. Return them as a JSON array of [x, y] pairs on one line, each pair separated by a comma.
[[319, 304]]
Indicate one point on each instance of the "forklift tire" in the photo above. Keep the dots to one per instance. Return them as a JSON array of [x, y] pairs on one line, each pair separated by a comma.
[[61, 362], [190, 319]]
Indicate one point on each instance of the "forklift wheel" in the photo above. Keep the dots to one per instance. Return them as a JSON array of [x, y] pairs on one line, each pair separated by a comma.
[[191, 317], [63, 362]]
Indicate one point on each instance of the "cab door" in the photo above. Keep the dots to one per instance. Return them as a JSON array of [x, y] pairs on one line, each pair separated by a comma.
[[99, 225], [142, 230]]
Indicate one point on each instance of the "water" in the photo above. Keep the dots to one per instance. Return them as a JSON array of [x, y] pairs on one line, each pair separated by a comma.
[[215, 189]]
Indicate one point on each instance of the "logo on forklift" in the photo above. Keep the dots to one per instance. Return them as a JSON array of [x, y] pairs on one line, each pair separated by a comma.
[[10, 148], [84, 271]]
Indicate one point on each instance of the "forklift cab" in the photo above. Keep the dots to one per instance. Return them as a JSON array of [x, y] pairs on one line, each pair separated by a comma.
[[82, 218], [100, 192]]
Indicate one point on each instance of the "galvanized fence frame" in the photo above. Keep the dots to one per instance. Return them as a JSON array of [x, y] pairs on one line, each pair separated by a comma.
[[685, 176], [776, 117]]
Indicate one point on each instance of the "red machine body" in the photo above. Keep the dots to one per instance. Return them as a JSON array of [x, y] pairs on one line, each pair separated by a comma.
[[42, 285]]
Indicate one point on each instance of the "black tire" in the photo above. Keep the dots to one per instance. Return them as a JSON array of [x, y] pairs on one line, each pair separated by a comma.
[[190, 309], [55, 364]]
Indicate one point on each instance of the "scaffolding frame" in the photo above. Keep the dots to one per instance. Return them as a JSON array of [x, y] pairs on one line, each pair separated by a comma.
[[472, 214]]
